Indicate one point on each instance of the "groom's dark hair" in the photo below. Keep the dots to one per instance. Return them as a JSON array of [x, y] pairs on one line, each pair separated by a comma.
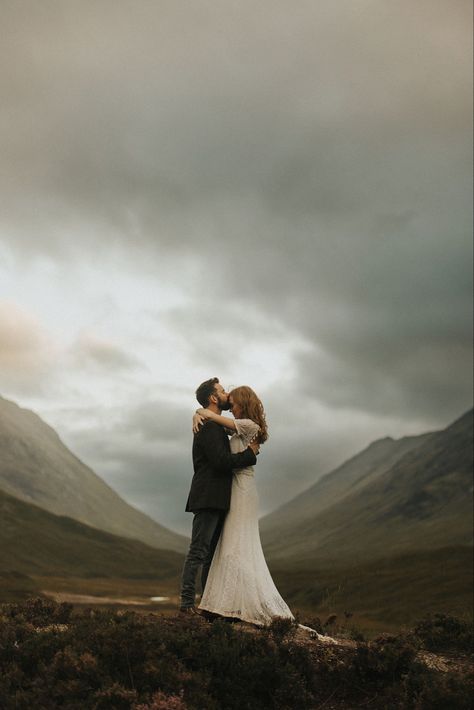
[[205, 390]]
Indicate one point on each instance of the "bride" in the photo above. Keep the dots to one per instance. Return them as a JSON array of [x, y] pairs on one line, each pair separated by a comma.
[[239, 584]]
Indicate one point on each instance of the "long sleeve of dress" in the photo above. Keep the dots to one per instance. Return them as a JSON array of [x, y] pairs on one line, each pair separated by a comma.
[[247, 430]]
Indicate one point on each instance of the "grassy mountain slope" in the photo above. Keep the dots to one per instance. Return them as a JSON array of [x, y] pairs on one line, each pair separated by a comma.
[[352, 475], [36, 542], [423, 501], [38, 468]]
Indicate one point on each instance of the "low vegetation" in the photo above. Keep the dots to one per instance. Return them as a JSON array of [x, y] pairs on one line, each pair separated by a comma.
[[389, 592], [54, 656], [444, 633]]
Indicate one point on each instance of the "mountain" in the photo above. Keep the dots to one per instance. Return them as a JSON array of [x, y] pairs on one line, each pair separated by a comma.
[[352, 475], [423, 501], [38, 468], [36, 542]]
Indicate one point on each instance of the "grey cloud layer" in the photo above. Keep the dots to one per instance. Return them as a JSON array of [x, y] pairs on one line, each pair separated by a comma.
[[148, 116], [313, 162]]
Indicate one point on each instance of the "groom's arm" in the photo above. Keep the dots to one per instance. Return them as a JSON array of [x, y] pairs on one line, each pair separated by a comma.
[[217, 451]]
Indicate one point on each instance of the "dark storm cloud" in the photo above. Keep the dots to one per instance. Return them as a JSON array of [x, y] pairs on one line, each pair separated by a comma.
[[314, 164], [154, 115]]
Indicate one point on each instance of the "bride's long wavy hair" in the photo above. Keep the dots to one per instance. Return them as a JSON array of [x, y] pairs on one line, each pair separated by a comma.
[[252, 408]]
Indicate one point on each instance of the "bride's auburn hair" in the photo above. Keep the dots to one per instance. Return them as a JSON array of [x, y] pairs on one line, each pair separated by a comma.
[[251, 408]]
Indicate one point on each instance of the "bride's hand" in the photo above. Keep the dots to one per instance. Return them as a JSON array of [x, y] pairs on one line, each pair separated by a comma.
[[198, 420], [255, 446]]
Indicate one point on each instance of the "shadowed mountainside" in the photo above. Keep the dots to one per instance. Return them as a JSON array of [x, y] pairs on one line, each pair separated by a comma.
[[423, 501], [36, 542], [36, 467], [350, 476]]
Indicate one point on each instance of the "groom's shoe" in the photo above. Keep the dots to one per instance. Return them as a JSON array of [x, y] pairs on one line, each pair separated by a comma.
[[189, 611]]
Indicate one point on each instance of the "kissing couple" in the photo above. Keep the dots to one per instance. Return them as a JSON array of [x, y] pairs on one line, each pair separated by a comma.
[[235, 579]]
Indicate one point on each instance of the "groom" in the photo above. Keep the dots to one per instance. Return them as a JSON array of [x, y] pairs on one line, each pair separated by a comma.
[[209, 497]]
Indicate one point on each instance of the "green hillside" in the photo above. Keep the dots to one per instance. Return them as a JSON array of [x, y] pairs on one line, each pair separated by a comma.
[[38, 468], [424, 501], [38, 543], [352, 475]]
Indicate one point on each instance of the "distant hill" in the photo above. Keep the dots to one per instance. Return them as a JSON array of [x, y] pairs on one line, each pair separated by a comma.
[[350, 476], [36, 542], [38, 468], [423, 501]]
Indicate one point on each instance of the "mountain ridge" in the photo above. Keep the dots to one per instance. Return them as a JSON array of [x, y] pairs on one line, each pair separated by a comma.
[[332, 486], [37, 467], [422, 501]]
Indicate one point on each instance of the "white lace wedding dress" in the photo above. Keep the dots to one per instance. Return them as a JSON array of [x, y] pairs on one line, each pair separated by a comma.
[[239, 584]]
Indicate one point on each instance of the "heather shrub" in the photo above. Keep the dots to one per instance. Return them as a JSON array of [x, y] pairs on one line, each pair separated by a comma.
[[384, 660], [282, 628], [115, 697], [39, 611], [103, 659], [431, 691], [356, 634], [443, 632], [160, 701]]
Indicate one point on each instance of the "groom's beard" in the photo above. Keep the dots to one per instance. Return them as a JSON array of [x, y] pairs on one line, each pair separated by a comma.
[[224, 404]]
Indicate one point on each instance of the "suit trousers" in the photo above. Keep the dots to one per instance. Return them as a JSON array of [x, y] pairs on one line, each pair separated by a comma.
[[207, 527]]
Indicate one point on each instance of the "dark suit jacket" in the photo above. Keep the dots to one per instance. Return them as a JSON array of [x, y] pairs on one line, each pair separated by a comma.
[[213, 464]]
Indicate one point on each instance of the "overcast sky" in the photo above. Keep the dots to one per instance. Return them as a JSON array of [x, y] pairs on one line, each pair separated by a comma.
[[274, 193]]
